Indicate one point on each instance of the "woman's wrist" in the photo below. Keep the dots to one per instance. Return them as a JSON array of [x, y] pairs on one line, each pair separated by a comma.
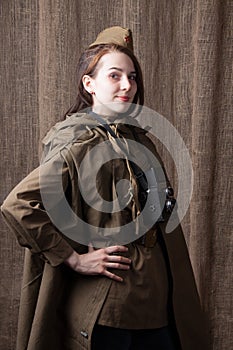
[[73, 260]]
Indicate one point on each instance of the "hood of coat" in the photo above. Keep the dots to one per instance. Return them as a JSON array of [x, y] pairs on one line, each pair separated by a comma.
[[79, 127]]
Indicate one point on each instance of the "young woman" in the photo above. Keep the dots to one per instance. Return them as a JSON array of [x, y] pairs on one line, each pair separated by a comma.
[[86, 285]]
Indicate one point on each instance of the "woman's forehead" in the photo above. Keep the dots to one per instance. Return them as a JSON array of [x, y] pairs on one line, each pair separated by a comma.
[[116, 60]]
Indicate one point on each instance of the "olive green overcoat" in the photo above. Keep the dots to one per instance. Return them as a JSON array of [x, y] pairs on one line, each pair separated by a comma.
[[59, 307]]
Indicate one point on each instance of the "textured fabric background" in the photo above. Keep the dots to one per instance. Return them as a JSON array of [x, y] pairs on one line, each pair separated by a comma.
[[185, 49]]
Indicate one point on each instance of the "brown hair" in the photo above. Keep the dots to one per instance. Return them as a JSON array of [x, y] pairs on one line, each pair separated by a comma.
[[87, 65]]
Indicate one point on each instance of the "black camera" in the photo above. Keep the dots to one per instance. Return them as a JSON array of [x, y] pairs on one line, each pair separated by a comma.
[[156, 199]]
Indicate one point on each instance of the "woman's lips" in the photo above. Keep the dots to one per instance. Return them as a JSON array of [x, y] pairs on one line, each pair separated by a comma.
[[123, 98]]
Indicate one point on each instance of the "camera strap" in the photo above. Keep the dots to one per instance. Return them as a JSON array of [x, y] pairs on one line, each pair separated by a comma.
[[140, 176]]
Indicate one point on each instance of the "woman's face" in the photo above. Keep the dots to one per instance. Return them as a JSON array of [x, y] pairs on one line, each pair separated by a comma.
[[114, 86]]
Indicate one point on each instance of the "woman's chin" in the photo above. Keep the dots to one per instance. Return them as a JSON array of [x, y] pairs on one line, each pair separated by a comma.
[[112, 109]]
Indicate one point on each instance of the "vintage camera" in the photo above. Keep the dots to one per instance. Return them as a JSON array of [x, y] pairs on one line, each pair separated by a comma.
[[156, 199]]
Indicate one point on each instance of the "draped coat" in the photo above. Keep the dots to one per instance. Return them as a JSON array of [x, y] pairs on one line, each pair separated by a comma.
[[59, 307]]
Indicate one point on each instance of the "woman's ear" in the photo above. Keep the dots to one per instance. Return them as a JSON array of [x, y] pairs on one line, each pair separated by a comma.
[[88, 84]]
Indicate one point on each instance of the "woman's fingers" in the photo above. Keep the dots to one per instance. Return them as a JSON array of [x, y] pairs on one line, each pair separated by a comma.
[[112, 265], [118, 259], [112, 276], [99, 261], [111, 254], [116, 249]]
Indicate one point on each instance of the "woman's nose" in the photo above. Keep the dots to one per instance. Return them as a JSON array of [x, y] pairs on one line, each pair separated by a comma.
[[125, 84]]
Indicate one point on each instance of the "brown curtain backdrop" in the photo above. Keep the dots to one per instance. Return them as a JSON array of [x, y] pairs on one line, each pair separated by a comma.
[[185, 49]]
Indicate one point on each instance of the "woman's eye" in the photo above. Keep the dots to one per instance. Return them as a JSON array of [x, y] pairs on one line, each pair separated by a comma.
[[114, 75], [132, 77]]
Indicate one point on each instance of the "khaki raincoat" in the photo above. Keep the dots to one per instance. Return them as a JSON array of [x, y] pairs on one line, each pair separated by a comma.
[[59, 307]]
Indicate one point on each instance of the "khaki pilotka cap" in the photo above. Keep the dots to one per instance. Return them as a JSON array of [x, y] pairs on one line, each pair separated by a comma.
[[115, 35]]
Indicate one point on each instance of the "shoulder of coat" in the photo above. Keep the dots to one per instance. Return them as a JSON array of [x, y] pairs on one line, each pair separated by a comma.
[[75, 123]]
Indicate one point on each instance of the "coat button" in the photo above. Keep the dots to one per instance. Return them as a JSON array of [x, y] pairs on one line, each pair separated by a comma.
[[84, 334]]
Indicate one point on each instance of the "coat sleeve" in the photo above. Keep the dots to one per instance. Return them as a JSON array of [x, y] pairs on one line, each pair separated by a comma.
[[25, 214]]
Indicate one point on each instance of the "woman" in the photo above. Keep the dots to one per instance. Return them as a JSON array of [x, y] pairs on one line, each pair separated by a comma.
[[86, 285]]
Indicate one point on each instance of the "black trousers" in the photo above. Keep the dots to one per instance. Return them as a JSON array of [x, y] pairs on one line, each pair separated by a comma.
[[108, 338]]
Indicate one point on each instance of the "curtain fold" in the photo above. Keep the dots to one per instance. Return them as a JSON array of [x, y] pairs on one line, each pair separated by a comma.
[[185, 50]]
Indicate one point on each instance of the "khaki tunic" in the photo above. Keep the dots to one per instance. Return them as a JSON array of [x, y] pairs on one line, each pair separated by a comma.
[[59, 307], [140, 302]]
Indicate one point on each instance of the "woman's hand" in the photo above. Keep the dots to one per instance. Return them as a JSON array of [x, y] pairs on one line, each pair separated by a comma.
[[97, 262]]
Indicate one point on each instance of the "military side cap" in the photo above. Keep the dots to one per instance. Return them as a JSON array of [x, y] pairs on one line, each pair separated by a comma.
[[115, 35]]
